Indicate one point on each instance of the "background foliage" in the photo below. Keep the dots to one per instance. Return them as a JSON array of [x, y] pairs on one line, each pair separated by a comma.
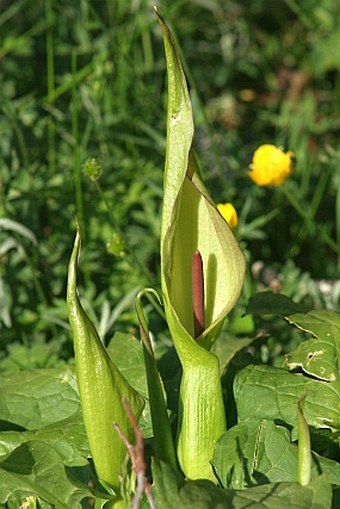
[[85, 79]]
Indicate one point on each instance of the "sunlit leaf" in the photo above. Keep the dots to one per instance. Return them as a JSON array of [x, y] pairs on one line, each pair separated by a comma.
[[273, 393], [32, 399], [320, 355], [35, 468], [260, 452], [67, 437], [172, 491]]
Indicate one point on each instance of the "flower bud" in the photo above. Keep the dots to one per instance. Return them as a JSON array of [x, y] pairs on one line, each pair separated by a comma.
[[92, 169], [116, 245]]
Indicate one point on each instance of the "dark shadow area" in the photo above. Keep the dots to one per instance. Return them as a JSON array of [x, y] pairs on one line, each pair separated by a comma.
[[10, 426], [20, 461]]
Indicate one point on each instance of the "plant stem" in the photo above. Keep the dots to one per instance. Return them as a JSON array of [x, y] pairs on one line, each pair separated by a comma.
[[337, 208], [50, 83], [12, 117], [306, 216], [76, 151]]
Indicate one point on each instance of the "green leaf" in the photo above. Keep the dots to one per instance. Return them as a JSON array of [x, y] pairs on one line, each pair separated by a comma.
[[269, 303], [9, 224], [318, 356], [33, 399], [126, 352], [164, 444], [190, 223], [273, 393], [172, 492], [226, 347], [255, 452], [102, 388], [260, 452], [67, 437], [35, 468]]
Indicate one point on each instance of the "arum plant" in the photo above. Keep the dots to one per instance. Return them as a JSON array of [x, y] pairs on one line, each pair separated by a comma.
[[202, 271], [102, 390]]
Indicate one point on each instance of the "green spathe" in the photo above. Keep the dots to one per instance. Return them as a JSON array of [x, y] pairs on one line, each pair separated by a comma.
[[101, 387], [190, 223]]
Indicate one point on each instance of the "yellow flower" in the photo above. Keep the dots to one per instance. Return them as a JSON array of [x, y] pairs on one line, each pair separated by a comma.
[[228, 213], [271, 166]]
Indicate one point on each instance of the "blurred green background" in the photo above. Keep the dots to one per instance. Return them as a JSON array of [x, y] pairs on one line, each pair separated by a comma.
[[86, 79]]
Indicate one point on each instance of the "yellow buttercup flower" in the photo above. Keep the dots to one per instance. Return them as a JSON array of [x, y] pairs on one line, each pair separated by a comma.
[[270, 166], [228, 212]]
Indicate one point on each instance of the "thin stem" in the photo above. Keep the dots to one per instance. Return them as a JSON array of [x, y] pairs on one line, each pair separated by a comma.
[[12, 117], [198, 294], [337, 209], [136, 453], [305, 214], [50, 84], [305, 20], [32, 263], [76, 148], [314, 206]]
